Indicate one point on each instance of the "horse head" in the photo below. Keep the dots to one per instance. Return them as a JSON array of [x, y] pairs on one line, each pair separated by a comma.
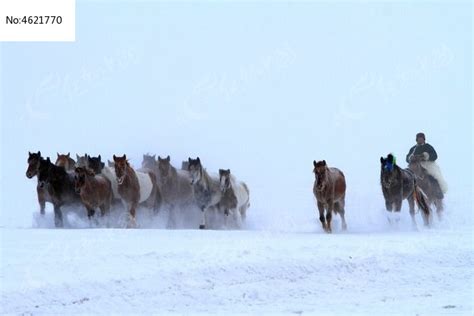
[[164, 166], [149, 162], [224, 180], [195, 170], [79, 178], [44, 171], [33, 164], [321, 174], [64, 161], [95, 164], [387, 168], [121, 165], [81, 161]]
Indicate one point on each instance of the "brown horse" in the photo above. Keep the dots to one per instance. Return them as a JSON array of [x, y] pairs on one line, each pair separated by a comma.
[[428, 184], [65, 161], [330, 190], [175, 187], [60, 186], [31, 171], [136, 187], [95, 191]]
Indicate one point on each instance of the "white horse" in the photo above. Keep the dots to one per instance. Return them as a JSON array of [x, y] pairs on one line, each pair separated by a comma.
[[206, 188], [235, 196]]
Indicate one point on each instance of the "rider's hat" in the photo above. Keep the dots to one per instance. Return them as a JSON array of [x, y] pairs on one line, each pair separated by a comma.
[[422, 135]]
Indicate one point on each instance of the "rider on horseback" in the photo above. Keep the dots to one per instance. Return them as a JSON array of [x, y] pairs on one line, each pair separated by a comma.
[[425, 154]]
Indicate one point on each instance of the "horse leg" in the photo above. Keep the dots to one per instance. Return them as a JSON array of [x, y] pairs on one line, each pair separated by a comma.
[[411, 205], [389, 207], [329, 217], [171, 218], [321, 215], [58, 216], [132, 223], [41, 199], [339, 208], [439, 208], [203, 218], [398, 208]]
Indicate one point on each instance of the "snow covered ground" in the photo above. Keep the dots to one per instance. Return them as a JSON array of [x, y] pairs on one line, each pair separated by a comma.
[[219, 272], [371, 269]]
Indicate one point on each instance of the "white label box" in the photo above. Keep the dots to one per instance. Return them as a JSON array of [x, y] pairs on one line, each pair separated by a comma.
[[37, 20]]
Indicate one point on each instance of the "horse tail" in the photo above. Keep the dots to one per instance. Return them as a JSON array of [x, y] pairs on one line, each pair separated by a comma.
[[421, 199]]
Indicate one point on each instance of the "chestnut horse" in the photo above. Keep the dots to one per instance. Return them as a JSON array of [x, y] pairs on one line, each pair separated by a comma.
[[136, 187], [60, 186], [65, 161], [31, 171], [95, 191], [330, 190]]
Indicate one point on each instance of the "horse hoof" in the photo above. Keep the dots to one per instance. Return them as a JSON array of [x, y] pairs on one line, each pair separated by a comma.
[[202, 226]]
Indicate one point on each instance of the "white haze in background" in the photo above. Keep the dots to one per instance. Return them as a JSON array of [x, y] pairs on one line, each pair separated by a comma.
[[262, 89]]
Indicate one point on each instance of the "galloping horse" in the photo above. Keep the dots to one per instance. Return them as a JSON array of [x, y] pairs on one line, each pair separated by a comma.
[[330, 190], [136, 187], [206, 188], [65, 161], [399, 184], [235, 195], [60, 186], [428, 184], [174, 187], [32, 170], [95, 190]]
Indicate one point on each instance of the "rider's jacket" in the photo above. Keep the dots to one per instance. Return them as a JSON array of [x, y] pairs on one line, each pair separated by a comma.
[[420, 150]]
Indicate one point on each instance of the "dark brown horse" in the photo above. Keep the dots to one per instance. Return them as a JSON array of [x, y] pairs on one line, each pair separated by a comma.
[[428, 184], [41, 191], [399, 184], [330, 190], [60, 186], [95, 191], [65, 161], [136, 187]]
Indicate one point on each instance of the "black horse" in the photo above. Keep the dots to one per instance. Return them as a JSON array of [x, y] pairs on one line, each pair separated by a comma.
[[60, 185], [399, 184], [95, 164]]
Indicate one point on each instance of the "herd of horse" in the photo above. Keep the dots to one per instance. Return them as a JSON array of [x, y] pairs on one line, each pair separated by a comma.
[[158, 184]]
